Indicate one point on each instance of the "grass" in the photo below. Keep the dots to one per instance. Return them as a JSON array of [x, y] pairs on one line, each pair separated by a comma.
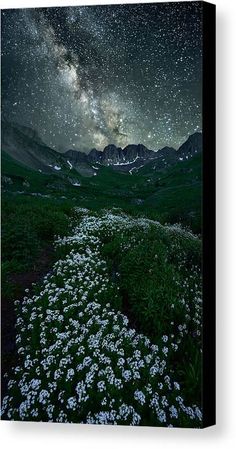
[[29, 225], [158, 275], [170, 195], [79, 358], [106, 267]]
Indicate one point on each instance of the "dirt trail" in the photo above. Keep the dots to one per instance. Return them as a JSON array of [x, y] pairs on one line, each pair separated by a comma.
[[8, 317]]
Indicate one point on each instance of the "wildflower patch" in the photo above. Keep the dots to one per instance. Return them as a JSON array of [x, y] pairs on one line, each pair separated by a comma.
[[80, 359]]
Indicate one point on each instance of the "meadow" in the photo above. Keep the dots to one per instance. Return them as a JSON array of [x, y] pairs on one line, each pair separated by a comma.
[[109, 332]]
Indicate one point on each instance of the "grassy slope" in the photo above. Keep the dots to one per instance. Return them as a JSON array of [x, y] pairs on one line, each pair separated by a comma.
[[173, 194], [151, 279], [170, 195], [159, 278]]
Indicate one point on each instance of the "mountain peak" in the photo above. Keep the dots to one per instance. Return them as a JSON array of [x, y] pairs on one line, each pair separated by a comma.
[[23, 144], [192, 145], [110, 147]]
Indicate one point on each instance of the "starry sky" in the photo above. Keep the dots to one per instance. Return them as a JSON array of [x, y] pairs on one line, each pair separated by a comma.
[[89, 76]]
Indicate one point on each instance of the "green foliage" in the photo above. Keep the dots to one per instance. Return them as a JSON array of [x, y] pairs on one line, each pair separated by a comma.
[[158, 273], [87, 356], [170, 195], [189, 370], [28, 225], [157, 269]]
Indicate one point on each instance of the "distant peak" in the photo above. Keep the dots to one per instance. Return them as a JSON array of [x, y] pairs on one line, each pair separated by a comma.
[[111, 146], [196, 135], [29, 132], [192, 145]]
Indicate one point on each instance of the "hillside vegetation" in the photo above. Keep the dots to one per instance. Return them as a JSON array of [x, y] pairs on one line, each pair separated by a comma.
[[104, 337], [104, 274]]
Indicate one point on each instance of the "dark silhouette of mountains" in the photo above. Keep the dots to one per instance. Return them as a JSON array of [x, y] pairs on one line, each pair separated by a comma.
[[192, 145], [135, 156], [113, 156], [24, 145]]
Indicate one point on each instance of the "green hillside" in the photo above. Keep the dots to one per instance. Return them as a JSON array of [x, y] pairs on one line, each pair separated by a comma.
[[170, 195], [147, 278]]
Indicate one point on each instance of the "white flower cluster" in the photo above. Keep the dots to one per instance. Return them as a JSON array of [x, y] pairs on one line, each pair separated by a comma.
[[79, 359]]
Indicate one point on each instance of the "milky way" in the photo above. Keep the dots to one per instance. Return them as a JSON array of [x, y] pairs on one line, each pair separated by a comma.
[[85, 77]]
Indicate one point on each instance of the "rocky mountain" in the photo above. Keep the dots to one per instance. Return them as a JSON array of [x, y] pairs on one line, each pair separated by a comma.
[[133, 157], [75, 157], [24, 145], [121, 159], [129, 159], [192, 146]]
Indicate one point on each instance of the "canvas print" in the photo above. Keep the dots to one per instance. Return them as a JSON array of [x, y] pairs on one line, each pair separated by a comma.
[[102, 191]]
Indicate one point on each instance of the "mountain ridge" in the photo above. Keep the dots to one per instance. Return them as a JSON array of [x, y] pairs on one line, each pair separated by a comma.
[[136, 155], [23, 144]]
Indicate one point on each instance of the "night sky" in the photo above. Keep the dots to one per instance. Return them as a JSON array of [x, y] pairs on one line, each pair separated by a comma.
[[88, 76]]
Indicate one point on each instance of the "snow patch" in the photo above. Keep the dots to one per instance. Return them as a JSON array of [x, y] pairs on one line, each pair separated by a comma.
[[127, 163], [137, 168]]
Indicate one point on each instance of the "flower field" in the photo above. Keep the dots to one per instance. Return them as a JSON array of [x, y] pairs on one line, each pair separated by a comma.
[[113, 333]]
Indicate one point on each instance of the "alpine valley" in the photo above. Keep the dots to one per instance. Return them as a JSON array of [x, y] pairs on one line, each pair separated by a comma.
[[165, 183], [24, 145], [101, 176], [124, 225]]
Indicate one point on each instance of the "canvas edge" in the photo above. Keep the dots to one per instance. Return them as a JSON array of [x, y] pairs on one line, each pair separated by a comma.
[[209, 214]]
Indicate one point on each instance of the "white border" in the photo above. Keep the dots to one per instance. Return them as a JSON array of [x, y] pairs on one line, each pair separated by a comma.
[[223, 435]]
